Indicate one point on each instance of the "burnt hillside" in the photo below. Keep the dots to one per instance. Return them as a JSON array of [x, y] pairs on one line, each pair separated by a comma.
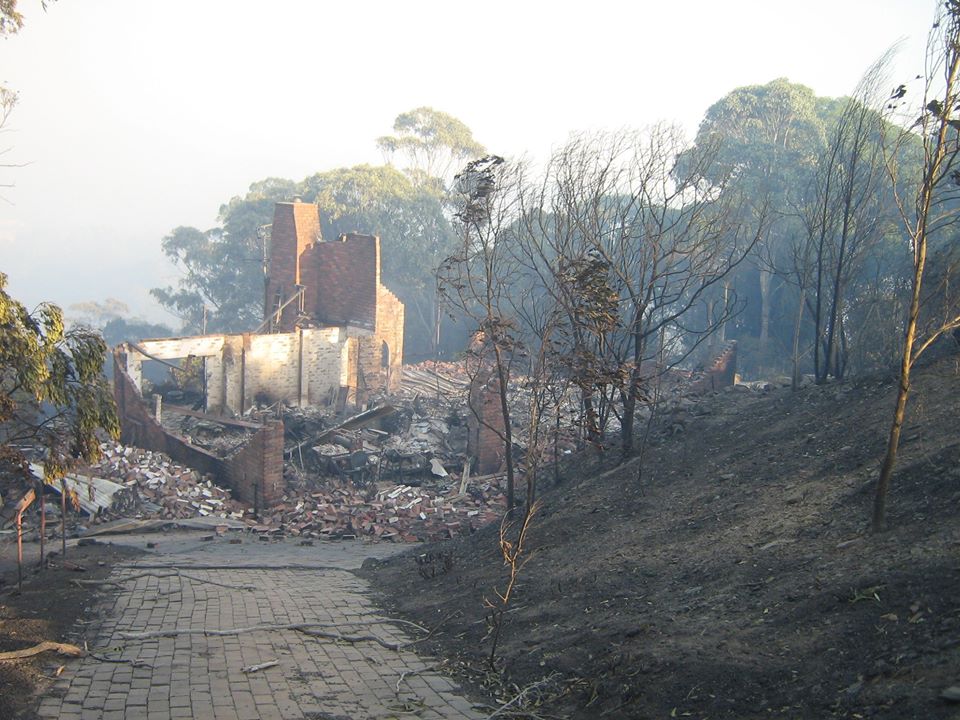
[[735, 578]]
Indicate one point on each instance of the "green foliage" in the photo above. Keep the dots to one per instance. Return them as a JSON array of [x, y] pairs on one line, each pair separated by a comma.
[[434, 143], [52, 393], [10, 20], [771, 135], [223, 274], [768, 140]]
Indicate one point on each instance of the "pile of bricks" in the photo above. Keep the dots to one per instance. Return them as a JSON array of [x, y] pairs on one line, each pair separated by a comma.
[[166, 490], [398, 514]]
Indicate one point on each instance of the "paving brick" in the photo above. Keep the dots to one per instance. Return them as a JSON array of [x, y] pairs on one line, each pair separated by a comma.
[[195, 676]]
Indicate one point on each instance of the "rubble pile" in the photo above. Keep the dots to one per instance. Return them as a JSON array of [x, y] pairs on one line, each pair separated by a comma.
[[430, 437], [400, 513], [216, 437], [443, 381], [166, 490]]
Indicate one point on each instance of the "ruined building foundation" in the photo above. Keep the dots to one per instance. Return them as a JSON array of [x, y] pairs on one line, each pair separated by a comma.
[[333, 336]]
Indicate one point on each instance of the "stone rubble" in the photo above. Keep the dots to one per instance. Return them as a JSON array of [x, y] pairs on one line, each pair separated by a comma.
[[398, 513], [382, 512], [166, 490]]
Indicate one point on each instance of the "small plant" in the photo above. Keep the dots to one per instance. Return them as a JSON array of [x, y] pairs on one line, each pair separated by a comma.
[[861, 594], [515, 558]]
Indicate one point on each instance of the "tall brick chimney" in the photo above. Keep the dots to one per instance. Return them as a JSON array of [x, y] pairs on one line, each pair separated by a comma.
[[296, 227]]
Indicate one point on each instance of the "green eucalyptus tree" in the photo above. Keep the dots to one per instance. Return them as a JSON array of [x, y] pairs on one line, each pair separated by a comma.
[[769, 137], [849, 216], [53, 396]]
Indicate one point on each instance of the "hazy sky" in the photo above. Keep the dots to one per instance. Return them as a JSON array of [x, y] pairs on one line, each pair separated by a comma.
[[136, 117]]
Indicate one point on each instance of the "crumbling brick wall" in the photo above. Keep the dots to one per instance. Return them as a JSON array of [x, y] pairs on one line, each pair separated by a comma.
[[485, 428], [720, 373], [390, 320], [254, 472], [381, 356], [298, 368], [346, 275]]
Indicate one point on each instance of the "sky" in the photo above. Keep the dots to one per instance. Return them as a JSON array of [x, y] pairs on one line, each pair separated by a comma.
[[137, 116]]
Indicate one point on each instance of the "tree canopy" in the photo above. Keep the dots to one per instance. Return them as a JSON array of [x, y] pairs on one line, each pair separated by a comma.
[[810, 274], [434, 144], [10, 20]]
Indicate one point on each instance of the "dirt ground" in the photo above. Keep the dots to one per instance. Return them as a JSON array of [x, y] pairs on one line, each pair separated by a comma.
[[734, 577], [50, 607]]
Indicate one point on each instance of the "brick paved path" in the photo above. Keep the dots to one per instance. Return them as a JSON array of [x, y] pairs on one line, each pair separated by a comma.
[[201, 676]]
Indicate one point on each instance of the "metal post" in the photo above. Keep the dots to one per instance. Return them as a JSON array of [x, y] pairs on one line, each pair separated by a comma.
[[20, 551], [63, 518], [43, 522]]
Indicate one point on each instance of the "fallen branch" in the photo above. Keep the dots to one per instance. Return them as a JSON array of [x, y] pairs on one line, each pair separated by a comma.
[[410, 673], [373, 638], [175, 573], [60, 648], [260, 666], [368, 637], [299, 627], [135, 663]]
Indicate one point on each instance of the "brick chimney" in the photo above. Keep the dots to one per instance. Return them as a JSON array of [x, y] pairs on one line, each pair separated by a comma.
[[296, 227]]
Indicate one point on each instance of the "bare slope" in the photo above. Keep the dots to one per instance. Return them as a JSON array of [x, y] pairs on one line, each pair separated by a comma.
[[736, 579]]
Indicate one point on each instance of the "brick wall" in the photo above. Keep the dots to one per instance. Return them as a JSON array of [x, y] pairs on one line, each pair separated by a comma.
[[353, 390], [390, 321], [302, 367], [272, 368], [485, 428], [720, 373], [346, 275], [323, 350], [254, 472], [381, 356]]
